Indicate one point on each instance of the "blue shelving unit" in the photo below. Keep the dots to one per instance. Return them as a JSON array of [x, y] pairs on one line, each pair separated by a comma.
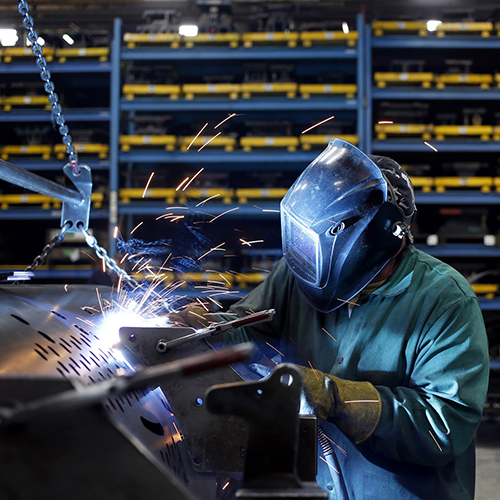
[[40, 115]]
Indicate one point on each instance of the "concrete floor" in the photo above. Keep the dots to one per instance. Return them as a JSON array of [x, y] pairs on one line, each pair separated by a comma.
[[488, 461]]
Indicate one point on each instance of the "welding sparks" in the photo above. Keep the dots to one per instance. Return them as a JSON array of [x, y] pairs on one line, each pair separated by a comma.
[[147, 184], [272, 347], [318, 124], [335, 444], [197, 135], [347, 302], [330, 335], [431, 146], [103, 265], [115, 232], [208, 199], [88, 255], [209, 141], [314, 371], [136, 227], [330, 465], [218, 247], [182, 183], [66, 288], [124, 257], [225, 120], [384, 122], [249, 243], [435, 440], [225, 486], [363, 401], [193, 178], [224, 213]]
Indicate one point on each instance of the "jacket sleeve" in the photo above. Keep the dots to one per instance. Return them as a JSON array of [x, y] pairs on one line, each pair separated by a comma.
[[270, 294], [434, 419]]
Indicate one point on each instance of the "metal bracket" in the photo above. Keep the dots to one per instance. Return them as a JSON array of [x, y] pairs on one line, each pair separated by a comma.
[[78, 213]]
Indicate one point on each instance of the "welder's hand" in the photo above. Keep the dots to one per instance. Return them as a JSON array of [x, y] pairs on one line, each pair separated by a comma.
[[191, 315], [355, 407]]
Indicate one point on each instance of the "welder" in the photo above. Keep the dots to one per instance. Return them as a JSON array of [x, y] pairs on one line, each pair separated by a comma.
[[391, 341]]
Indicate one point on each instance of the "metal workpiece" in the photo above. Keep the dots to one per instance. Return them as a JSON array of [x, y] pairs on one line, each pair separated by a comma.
[[271, 409], [214, 443], [52, 339]]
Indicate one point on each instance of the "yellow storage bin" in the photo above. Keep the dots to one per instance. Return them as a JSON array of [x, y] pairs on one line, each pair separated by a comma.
[[132, 90], [310, 38], [290, 89], [382, 79], [424, 183], [102, 53], [245, 194], [277, 37], [248, 143], [166, 141], [482, 80], [231, 39], [309, 141], [403, 129], [250, 279], [443, 131], [225, 194], [44, 151], [134, 39], [101, 150], [484, 29], [402, 27], [128, 194], [228, 143], [191, 90], [483, 183], [308, 89], [14, 52], [25, 100]]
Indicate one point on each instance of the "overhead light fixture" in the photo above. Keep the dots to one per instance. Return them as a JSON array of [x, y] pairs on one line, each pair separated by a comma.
[[345, 28], [68, 39], [188, 30], [433, 24], [8, 37]]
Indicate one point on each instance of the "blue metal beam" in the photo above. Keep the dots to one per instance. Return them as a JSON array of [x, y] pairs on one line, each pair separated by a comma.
[[37, 164], [448, 42], [449, 146], [40, 115], [457, 198], [232, 160], [75, 67], [472, 250], [257, 211], [419, 93], [240, 105], [31, 213], [240, 53]]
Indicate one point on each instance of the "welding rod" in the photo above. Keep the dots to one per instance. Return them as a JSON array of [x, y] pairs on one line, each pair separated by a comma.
[[29, 180], [215, 329]]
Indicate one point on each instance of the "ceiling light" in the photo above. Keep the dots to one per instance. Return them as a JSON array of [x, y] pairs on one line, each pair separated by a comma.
[[40, 41], [68, 39], [8, 37], [433, 24], [345, 28], [188, 30]]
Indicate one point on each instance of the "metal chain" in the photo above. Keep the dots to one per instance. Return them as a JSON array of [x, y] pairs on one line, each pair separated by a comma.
[[103, 254], [47, 249], [58, 117], [49, 86]]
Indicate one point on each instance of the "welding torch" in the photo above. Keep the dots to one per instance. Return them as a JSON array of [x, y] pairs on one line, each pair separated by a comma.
[[214, 329]]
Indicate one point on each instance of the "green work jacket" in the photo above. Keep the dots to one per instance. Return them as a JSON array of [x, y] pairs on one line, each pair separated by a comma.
[[420, 339]]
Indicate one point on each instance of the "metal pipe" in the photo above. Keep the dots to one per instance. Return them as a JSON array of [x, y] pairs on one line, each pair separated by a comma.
[[38, 184]]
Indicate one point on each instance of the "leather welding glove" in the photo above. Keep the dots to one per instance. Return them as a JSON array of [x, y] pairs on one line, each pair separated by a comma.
[[191, 315], [355, 407]]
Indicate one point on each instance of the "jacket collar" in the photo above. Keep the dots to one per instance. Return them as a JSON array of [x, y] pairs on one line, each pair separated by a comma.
[[400, 279]]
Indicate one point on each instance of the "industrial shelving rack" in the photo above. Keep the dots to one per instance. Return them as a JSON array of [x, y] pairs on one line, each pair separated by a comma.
[[41, 116], [415, 44]]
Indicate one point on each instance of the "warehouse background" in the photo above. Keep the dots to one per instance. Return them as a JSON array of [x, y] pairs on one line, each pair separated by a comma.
[[138, 85]]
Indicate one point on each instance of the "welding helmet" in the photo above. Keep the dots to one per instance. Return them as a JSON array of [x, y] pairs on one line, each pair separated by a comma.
[[342, 221]]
